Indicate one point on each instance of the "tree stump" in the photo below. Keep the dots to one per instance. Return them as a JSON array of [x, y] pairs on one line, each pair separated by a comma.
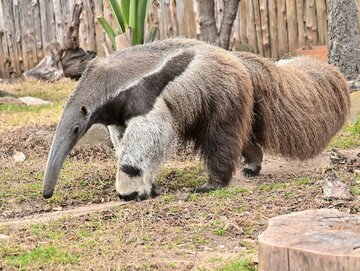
[[312, 240]]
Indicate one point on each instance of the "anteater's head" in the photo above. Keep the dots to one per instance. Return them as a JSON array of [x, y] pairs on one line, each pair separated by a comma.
[[80, 112]]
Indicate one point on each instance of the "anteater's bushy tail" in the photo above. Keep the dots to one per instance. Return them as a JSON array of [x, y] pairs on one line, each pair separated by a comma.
[[299, 105]]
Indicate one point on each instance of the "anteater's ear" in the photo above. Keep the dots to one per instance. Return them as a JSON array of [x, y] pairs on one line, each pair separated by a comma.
[[84, 110]]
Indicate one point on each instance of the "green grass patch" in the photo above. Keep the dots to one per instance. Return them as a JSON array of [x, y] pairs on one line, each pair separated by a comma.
[[185, 175], [40, 257], [303, 181], [16, 108], [272, 186], [355, 191], [55, 92], [239, 265], [219, 228], [228, 193], [349, 137]]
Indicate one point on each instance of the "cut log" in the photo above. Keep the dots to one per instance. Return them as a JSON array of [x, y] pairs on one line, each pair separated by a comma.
[[321, 240]]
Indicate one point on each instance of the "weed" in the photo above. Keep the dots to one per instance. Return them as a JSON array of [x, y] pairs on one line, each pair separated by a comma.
[[349, 137], [239, 265], [303, 181], [41, 256]]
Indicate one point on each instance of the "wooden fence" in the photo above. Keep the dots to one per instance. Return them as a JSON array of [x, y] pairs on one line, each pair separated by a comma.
[[272, 28]]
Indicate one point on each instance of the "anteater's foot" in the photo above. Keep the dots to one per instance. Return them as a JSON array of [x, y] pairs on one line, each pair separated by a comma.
[[138, 196], [131, 186], [251, 171]]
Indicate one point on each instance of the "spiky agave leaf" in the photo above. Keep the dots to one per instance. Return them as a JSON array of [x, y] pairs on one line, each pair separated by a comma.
[[115, 7], [108, 29], [133, 20], [142, 7], [125, 8]]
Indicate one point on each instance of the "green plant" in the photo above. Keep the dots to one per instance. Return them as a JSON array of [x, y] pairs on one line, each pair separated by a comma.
[[130, 16]]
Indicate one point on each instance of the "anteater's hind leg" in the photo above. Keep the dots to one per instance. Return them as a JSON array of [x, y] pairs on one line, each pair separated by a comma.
[[221, 155], [253, 157]]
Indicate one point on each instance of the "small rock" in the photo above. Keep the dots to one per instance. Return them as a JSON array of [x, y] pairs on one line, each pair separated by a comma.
[[205, 248], [222, 246], [19, 156], [33, 101], [98, 133], [333, 188], [57, 208], [4, 236]]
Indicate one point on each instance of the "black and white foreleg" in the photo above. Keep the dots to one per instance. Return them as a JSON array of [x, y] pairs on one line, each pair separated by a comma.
[[147, 143]]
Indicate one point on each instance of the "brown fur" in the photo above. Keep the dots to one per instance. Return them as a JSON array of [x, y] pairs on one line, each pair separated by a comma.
[[298, 106], [212, 105]]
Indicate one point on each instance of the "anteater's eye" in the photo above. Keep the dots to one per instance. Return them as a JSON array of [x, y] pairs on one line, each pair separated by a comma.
[[84, 110], [76, 130]]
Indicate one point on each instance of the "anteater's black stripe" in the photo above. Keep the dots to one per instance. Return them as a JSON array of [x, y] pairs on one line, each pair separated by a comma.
[[140, 98]]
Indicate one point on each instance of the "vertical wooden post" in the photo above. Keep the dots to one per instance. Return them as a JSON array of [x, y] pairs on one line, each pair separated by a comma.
[[273, 29], [99, 31], [38, 32], [282, 27], [257, 17], [250, 27], [300, 22], [311, 27], [292, 25], [243, 15], [321, 17], [190, 18], [265, 27]]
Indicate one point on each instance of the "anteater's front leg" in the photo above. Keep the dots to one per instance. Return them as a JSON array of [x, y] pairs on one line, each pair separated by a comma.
[[147, 143], [221, 152]]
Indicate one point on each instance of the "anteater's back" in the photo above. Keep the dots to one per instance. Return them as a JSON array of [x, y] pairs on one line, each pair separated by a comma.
[[299, 105]]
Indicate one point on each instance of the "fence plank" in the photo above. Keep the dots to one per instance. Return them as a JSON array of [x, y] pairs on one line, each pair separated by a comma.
[[265, 27], [50, 20], [282, 27], [321, 17], [300, 22], [311, 27], [190, 18], [292, 25], [59, 25], [38, 32], [174, 20], [30, 31], [251, 28], [242, 14], [274, 44], [257, 17], [3, 72], [87, 27], [99, 32]]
